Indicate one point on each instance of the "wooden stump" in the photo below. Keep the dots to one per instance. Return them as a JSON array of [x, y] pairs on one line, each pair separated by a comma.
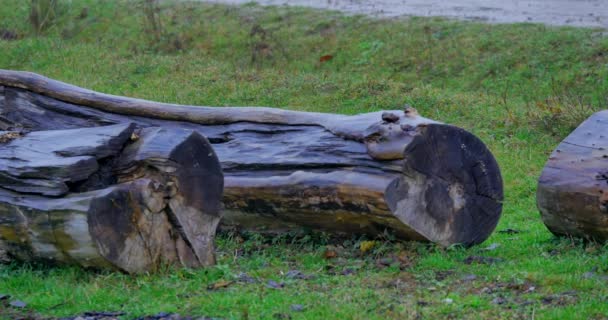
[[109, 197], [388, 170], [572, 193]]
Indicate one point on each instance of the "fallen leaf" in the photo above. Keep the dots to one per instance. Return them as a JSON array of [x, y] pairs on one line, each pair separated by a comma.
[[366, 246], [220, 284], [326, 58], [404, 257], [330, 254]]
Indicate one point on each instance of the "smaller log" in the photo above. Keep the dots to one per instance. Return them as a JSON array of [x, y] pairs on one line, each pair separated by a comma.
[[109, 197], [572, 194]]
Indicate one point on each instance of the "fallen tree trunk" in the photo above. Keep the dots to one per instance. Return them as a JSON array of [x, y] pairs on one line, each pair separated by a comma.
[[572, 194], [367, 173], [109, 197]]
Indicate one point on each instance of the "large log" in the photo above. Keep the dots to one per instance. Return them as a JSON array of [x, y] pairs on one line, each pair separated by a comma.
[[109, 197], [572, 194], [367, 173]]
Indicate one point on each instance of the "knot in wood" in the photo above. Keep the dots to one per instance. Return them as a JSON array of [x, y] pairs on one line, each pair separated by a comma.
[[390, 117]]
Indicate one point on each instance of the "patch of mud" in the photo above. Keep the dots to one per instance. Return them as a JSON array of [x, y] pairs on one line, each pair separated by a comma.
[[580, 13]]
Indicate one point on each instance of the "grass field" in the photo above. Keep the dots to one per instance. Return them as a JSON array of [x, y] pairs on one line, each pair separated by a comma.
[[521, 88]]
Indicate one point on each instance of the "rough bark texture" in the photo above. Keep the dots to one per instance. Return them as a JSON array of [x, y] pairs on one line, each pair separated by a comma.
[[109, 197], [572, 191], [365, 173]]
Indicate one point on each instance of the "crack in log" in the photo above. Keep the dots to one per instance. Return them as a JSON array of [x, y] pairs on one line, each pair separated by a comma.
[[115, 224], [136, 216], [174, 221], [582, 146]]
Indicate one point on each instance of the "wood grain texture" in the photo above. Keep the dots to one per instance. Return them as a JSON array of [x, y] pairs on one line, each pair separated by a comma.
[[572, 194], [341, 125], [45, 162], [110, 197], [388, 170]]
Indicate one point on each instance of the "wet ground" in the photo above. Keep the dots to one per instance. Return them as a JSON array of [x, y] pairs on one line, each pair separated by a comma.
[[580, 13]]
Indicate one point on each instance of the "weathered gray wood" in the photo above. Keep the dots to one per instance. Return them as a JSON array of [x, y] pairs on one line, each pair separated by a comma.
[[572, 193], [45, 161], [110, 197], [193, 175], [365, 173], [345, 126]]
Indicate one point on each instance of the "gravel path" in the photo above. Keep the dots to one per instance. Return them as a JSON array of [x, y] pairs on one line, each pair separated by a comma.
[[580, 13]]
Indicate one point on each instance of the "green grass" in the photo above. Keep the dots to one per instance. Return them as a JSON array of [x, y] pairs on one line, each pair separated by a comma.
[[521, 88]]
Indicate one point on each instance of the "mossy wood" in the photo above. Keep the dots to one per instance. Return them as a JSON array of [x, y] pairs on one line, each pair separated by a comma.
[[572, 194], [392, 170], [109, 197]]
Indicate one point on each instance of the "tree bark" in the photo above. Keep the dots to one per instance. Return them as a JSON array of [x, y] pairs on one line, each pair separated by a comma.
[[367, 173], [572, 194], [109, 197]]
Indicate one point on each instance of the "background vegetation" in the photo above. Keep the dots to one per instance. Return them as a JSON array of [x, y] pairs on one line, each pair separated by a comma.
[[521, 88]]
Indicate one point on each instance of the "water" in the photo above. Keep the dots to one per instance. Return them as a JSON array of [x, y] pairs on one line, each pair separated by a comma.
[[580, 13]]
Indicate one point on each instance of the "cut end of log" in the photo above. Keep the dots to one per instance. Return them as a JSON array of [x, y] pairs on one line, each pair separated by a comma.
[[572, 193], [96, 198], [451, 191], [174, 216]]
